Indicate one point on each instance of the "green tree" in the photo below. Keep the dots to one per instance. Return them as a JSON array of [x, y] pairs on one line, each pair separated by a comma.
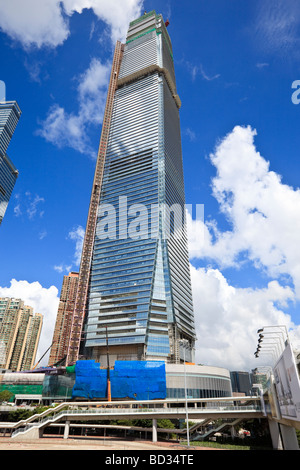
[[5, 395], [19, 414], [165, 424]]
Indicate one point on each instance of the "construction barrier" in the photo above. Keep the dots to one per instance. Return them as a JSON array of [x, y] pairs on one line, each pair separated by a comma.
[[140, 380]]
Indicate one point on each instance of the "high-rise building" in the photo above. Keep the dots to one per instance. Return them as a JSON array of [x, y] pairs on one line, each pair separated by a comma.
[[241, 382], [20, 331], [134, 287], [9, 116], [61, 335]]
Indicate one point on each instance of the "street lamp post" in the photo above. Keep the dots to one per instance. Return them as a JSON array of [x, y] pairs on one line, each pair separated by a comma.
[[261, 336], [277, 346], [271, 345], [270, 350], [184, 343], [108, 370], [278, 330]]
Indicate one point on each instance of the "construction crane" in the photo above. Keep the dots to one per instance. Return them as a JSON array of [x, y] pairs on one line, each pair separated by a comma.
[[42, 357]]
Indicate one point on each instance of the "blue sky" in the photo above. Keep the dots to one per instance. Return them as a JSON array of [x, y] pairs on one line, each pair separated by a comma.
[[235, 65]]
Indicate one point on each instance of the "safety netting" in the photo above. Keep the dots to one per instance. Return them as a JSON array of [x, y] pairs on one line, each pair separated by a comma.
[[140, 380]]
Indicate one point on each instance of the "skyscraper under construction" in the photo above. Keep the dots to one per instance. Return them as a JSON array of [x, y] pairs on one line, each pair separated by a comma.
[[134, 289]]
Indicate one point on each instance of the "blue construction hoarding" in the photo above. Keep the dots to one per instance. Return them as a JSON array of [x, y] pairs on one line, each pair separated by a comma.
[[140, 380]]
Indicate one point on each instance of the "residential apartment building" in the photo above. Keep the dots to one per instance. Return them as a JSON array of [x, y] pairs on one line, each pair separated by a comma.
[[61, 335], [20, 330]]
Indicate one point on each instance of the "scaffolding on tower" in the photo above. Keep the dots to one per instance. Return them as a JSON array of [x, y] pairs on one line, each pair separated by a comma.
[[87, 249]]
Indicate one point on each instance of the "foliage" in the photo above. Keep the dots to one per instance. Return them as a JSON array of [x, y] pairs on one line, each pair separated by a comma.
[[5, 395], [23, 413], [17, 415], [228, 446], [146, 423], [165, 423]]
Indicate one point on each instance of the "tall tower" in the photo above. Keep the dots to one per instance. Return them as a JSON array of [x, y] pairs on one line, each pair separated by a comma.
[[134, 291], [61, 335], [20, 331], [9, 116]]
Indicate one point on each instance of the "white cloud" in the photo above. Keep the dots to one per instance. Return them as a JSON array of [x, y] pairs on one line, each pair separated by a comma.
[[42, 234], [92, 91], [28, 205], [17, 210], [77, 235], [227, 319], [206, 76], [196, 70], [261, 65], [65, 130], [190, 134], [68, 129], [34, 22], [42, 300], [46, 23], [60, 268], [277, 25], [116, 14], [264, 213], [32, 208]]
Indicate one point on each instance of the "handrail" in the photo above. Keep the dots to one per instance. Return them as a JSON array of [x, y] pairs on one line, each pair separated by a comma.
[[123, 403], [132, 411], [37, 415]]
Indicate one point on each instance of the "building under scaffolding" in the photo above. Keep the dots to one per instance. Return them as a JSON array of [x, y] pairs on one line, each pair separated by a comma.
[[62, 329], [136, 380]]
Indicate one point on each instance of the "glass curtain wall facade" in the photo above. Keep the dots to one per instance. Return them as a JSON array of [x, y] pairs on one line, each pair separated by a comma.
[[139, 299], [9, 116]]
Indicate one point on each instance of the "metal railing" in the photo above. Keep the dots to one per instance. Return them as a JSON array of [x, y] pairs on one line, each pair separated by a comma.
[[117, 411]]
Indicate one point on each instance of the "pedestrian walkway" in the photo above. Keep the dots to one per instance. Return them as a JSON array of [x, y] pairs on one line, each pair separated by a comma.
[[86, 443]]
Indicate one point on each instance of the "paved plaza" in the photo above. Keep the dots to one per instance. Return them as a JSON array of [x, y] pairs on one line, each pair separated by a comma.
[[107, 444]]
